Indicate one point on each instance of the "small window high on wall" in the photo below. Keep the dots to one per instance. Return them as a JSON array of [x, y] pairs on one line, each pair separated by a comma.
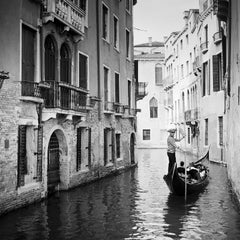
[[158, 75]]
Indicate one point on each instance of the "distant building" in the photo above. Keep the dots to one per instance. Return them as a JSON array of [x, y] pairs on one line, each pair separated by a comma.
[[68, 109], [151, 120]]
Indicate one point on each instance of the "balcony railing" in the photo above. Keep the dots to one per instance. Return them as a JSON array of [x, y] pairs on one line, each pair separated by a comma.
[[118, 108], [31, 89], [65, 96], [109, 106], [191, 115], [217, 37], [141, 90], [71, 15], [204, 47]]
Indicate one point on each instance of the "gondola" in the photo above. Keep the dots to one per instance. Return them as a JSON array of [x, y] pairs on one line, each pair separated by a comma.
[[176, 183]]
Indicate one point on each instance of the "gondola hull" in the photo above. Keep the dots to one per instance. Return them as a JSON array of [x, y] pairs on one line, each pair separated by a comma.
[[177, 185]]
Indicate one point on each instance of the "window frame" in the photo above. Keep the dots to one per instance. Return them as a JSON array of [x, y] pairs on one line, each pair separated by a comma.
[[128, 43], [116, 31], [107, 28], [146, 134], [87, 70]]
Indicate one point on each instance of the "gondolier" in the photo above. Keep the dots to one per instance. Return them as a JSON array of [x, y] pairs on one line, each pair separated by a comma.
[[171, 144]]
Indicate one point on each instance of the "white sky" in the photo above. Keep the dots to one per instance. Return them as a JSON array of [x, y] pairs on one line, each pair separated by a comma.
[[158, 18]]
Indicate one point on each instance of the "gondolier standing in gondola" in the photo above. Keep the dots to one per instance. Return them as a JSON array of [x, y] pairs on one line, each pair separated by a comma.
[[171, 148]]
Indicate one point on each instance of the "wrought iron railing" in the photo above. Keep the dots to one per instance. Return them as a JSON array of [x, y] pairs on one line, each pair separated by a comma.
[[217, 37], [65, 96], [109, 106], [30, 89]]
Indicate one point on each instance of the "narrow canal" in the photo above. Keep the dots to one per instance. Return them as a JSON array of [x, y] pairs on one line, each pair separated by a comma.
[[134, 205]]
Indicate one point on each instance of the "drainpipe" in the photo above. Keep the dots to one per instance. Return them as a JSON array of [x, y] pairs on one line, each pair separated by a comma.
[[98, 60]]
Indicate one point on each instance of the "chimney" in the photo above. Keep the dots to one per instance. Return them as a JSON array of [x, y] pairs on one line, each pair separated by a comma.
[[150, 41], [185, 16]]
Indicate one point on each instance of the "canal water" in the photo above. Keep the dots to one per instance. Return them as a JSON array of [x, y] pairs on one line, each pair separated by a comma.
[[134, 205]]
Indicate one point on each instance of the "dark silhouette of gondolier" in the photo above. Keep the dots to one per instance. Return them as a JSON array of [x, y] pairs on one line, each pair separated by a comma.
[[171, 144]]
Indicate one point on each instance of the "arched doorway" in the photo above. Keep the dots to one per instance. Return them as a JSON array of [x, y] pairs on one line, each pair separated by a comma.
[[53, 162], [132, 148]]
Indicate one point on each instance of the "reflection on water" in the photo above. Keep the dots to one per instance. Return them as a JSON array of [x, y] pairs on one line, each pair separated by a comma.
[[134, 205]]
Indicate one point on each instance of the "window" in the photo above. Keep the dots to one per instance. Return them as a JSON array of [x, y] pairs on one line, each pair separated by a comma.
[[153, 108], [28, 56], [117, 89], [217, 72], [127, 44], [129, 93], [65, 64], [105, 22], [116, 32], [205, 78], [182, 74], [83, 143], [181, 44], [158, 74], [22, 154], [50, 59], [187, 65], [107, 145], [220, 124], [206, 132], [83, 71], [106, 84], [118, 145], [128, 5], [146, 134], [187, 39], [189, 135]]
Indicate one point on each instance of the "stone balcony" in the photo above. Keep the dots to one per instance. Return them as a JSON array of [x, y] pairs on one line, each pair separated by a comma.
[[71, 16]]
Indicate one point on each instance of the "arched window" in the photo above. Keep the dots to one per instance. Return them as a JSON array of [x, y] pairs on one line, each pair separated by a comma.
[[65, 64], [153, 108], [50, 59], [158, 74]]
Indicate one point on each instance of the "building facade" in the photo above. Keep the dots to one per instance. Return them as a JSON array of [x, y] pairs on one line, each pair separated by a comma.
[[151, 120], [195, 66], [68, 109]]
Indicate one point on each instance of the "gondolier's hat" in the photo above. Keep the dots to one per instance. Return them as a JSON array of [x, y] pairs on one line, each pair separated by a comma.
[[172, 130]]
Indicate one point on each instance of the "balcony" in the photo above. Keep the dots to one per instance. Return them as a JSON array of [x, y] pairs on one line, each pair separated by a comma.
[[191, 115], [141, 90], [71, 16], [187, 116], [132, 112], [118, 109], [65, 97], [204, 47], [220, 8], [108, 107], [217, 37]]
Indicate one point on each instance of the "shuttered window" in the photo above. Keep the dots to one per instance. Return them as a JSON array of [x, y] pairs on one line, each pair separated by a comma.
[[22, 154], [39, 153], [89, 147], [153, 104], [113, 145], [158, 75], [127, 44], [105, 22], [106, 84], [117, 98], [220, 124], [65, 64], [50, 59], [206, 132], [205, 78], [28, 40], [106, 130], [79, 148], [83, 71], [129, 93], [118, 145], [217, 72]]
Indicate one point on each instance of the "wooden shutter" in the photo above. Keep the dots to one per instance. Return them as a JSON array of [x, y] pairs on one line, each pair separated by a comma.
[[39, 153], [22, 154], [105, 146], [50, 55], [113, 145], [82, 71], [216, 85], [209, 77], [28, 36], [79, 148], [116, 87], [89, 146]]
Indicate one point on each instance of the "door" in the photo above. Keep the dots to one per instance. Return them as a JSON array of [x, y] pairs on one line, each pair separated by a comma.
[[132, 148], [53, 161]]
